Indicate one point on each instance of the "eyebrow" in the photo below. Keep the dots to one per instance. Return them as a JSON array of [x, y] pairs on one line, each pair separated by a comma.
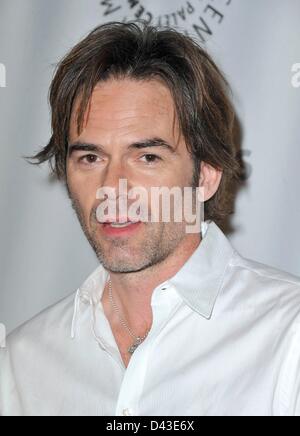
[[146, 143]]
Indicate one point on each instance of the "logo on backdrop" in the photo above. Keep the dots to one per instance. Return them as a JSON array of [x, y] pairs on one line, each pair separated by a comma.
[[2, 76], [2, 336], [296, 75], [202, 17]]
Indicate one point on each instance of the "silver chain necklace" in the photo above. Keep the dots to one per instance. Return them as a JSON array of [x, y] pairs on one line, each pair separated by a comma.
[[137, 339]]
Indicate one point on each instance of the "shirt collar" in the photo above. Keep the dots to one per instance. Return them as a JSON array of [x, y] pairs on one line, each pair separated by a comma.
[[198, 282], [200, 279]]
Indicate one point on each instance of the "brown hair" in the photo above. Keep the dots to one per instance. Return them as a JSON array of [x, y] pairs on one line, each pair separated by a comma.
[[140, 51]]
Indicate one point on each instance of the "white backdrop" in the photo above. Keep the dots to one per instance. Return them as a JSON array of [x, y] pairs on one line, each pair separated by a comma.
[[43, 254]]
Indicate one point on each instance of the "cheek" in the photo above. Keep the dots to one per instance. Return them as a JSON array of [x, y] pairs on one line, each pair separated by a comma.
[[178, 177], [83, 191]]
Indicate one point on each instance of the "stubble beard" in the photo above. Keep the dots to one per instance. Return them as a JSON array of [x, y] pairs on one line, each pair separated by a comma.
[[128, 255]]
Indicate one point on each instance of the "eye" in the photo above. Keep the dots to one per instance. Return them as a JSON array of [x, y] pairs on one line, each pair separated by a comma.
[[151, 158], [88, 158]]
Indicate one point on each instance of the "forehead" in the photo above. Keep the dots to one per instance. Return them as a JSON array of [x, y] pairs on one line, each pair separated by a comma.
[[127, 109]]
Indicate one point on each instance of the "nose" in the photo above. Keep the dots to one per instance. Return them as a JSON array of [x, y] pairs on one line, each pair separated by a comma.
[[113, 174]]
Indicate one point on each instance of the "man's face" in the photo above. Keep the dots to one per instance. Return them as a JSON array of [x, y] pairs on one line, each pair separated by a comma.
[[122, 114]]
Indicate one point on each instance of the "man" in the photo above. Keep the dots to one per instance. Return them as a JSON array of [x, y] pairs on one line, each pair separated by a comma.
[[171, 322]]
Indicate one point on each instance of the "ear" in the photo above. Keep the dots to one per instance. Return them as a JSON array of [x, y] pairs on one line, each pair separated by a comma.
[[210, 179]]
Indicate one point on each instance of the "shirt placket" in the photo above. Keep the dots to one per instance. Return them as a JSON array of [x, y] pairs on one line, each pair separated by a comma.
[[165, 302]]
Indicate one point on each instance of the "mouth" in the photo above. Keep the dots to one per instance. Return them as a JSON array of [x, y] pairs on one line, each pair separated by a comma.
[[120, 229]]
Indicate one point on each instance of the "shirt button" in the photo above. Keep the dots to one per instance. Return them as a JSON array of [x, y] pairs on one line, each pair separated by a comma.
[[128, 412]]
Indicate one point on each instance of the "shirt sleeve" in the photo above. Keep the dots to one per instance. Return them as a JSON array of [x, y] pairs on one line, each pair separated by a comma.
[[290, 379], [10, 404]]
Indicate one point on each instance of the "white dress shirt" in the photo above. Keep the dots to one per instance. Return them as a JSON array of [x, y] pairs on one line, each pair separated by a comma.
[[225, 341]]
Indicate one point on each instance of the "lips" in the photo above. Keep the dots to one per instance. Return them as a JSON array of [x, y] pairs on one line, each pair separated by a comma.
[[112, 229], [118, 225], [119, 221]]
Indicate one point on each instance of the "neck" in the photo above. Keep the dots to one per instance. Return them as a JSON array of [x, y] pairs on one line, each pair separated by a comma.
[[132, 292]]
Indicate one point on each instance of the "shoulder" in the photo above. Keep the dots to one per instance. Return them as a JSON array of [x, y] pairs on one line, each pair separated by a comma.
[[44, 328], [263, 294], [263, 282], [29, 350], [264, 271]]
